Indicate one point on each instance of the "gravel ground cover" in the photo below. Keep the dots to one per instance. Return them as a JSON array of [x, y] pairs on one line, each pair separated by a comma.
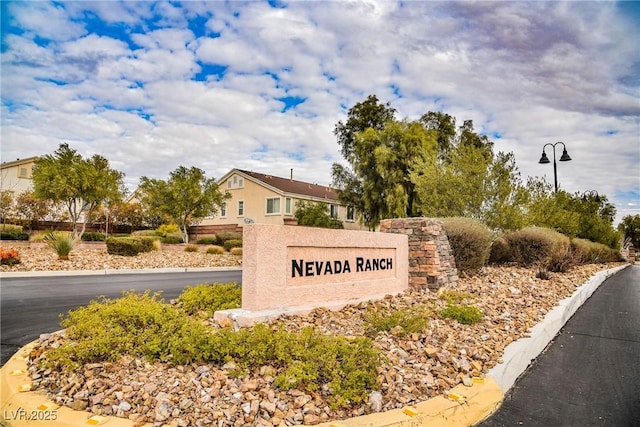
[[415, 367]]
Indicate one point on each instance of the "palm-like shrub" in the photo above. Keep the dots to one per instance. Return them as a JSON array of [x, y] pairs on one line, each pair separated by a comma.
[[62, 242]]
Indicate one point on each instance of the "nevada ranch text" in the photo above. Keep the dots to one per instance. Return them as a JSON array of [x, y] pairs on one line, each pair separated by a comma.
[[302, 268]]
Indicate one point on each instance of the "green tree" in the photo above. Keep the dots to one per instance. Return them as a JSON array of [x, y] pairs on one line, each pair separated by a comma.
[[315, 214], [445, 127], [369, 114], [630, 228], [80, 184], [186, 197], [31, 209], [6, 205], [128, 214]]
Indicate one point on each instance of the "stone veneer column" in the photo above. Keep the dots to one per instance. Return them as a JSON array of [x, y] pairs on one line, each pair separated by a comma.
[[431, 262]]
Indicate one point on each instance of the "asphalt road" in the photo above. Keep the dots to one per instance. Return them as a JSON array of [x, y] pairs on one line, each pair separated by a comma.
[[31, 306], [590, 373]]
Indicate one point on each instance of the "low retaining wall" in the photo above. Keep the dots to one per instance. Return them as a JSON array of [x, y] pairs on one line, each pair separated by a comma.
[[431, 262]]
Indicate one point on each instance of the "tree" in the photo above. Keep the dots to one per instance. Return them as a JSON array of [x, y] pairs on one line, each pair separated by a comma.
[[128, 214], [315, 214], [630, 227], [445, 126], [6, 205], [81, 184], [31, 209], [186, 197]]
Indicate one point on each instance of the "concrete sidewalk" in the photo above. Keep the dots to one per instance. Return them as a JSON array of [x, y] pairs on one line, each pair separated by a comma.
[[463, 406]]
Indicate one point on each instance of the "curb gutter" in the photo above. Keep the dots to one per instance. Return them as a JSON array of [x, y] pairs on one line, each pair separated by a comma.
[[462, 407]]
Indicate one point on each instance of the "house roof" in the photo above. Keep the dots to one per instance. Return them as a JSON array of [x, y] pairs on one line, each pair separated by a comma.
[[18, 162], [292, 186]]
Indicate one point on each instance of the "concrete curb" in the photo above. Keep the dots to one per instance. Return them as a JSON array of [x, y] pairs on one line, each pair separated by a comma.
[[463, 406]]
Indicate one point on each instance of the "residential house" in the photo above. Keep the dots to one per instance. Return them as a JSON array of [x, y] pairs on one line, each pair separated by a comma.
[[16, 176], [268, 199]]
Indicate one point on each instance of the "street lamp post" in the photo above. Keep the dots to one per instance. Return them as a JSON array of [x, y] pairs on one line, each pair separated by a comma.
[[564, 158]]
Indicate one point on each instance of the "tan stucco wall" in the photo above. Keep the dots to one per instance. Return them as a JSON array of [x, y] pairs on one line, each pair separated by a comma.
[[274, 256], [10, 178]]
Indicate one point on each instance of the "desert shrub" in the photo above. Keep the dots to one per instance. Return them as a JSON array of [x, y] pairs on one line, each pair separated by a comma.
[[236, 251], [592, 253], [403, 322], [232, 243], [500, 251], [309, 360], [223, 236], [207, 241], [14, 235], [209, 298], [140, 325], [145, 244], [454, 297], [144, 233], [11, 227], [470, 242], [561, 259], [9, 257], [191, 248], [125, 246], [462, 313], [536, 245], [172, 238], [92, 236], [166, 229], [216, 250], [62, 242]]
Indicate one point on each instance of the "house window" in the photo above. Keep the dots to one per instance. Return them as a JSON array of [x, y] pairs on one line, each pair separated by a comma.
[[23, 172], [273, 205], [240, 183], [351, 213], [287, 205], [229, 184], [333, 211], [223, 211], [240, 207]]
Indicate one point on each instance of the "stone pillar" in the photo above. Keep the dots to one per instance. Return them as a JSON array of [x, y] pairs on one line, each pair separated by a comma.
[[431, 262], [632, 254]]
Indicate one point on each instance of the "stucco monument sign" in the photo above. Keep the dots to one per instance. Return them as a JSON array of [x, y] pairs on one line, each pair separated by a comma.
[[289, 269]]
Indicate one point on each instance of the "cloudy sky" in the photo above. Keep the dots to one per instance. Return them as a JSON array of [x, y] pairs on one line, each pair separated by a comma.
[[260, 85]]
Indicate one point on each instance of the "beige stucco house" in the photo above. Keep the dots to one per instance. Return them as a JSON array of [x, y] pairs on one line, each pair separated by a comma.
[[16, 175], [268, 199]]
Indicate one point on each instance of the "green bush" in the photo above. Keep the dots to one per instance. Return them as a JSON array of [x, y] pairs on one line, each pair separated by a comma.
[[223, 236], [209, 298], [14, 235], [592, 253], [11, 227], [236, 251], [140, 325], [461, 313], [500, 252], [191, 248], [405, 322], [144, 233], [172, 238], [92, 236], [125, 246], [216, 250], [470, 242], [537, 245], [207, 241], [145, 244], [233, 243]]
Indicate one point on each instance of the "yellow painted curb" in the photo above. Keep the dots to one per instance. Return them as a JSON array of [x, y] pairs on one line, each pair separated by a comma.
[[21, 407], [462, 407]]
